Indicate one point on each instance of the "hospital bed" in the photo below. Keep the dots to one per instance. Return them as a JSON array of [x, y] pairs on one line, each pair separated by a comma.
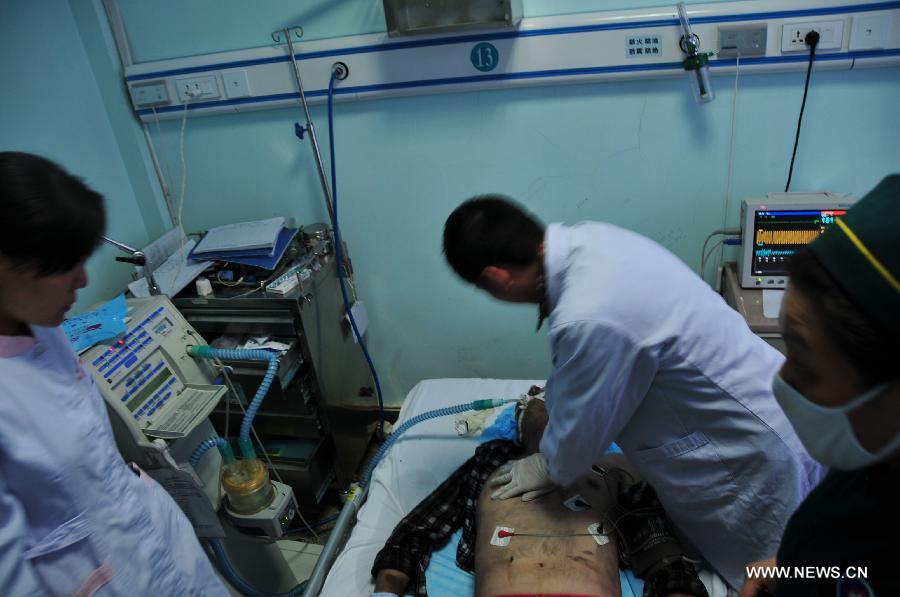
[[420, 461]]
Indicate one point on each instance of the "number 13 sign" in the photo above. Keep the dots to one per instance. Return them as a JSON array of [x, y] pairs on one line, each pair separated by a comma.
[[484, 56]]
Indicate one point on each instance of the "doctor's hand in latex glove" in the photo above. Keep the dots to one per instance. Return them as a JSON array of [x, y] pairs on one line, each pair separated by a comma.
[[526, 477]]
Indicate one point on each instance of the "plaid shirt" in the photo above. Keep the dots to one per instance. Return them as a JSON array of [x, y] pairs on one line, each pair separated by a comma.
[[649, 547], [450, 506]]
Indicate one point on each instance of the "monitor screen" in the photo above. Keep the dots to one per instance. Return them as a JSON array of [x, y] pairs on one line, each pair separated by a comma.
[[777, 235]]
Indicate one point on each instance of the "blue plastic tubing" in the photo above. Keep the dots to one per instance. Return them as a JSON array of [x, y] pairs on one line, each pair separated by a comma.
[[432, 414], [208, 352], [224, 449], [339, 254], [239, 583]]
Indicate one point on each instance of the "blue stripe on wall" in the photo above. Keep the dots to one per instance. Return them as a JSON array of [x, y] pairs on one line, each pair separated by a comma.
[[517, 34], [522, 76]]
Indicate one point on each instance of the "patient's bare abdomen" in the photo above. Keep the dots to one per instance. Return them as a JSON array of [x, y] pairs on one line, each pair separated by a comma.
[[569, 562]]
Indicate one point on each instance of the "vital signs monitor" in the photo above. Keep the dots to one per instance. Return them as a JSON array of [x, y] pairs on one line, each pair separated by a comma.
[[775, 228]]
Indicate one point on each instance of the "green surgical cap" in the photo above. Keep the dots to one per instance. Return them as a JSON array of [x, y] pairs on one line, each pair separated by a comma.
[[861, 251]]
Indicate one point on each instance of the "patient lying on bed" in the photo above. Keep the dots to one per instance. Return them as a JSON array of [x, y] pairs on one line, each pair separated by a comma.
[[567, 542]]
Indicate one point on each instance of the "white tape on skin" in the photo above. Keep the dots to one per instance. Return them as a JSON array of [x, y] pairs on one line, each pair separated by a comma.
[[596, 531], [501, 541]]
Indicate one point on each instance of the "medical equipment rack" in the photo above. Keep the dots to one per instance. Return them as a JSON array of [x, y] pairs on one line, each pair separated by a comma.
[[320, 414]]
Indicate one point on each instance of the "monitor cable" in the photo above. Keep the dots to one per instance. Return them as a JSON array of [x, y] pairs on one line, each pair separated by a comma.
[[706, 254], [812, 40]]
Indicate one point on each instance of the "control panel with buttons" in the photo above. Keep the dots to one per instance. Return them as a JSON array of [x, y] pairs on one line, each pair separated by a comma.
[[146, 375]]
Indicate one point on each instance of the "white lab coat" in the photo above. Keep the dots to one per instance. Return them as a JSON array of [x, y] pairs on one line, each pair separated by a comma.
[[74, 518], [647, 355]]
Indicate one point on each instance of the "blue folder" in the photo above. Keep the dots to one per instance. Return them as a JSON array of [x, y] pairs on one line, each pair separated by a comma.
[[264, 258]]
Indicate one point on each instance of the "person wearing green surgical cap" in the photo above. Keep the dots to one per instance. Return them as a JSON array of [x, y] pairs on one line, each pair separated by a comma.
[[840, 389]]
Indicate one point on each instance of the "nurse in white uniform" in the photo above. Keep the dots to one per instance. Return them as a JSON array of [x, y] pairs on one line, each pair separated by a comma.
[[75, 519], [647, 355]]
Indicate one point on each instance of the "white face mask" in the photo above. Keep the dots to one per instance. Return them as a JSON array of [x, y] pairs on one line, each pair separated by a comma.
[[826, 431]]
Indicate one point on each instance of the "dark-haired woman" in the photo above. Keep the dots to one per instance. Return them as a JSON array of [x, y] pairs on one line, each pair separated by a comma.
[[840, 388], [74, 518]]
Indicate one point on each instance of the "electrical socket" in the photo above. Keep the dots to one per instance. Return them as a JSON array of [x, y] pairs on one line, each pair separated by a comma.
[[793, 35], [150, 94], [195, 88]]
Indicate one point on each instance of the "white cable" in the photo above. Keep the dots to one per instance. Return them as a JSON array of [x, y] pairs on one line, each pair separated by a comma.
[[183, 188], [181, 158], [720, 231], [157, 168], [708, 255], [227, 402], [703, 249], [167, 167], [734, 97]]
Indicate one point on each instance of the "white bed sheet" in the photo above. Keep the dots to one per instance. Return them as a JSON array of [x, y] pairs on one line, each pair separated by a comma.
[[420, 461]]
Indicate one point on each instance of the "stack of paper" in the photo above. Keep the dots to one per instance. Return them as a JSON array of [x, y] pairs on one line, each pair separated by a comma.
[[258, 237], [167, 257], [260, 243]]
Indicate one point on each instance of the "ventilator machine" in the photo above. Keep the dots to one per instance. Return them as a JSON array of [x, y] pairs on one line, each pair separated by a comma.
[[160, 382]]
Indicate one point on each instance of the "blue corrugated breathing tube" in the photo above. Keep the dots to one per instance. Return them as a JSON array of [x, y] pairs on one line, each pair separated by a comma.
[[431, 414], [245, 442], [239, 583]]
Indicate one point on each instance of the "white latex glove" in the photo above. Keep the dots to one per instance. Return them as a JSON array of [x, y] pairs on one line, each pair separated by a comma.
[[526, 477]]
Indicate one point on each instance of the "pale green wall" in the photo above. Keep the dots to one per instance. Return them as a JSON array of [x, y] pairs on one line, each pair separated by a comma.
[[639, 154], [51, 104], [174, 28]]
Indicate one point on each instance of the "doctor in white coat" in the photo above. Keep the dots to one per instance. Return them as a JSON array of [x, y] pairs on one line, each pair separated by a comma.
[[75, 519], [647, 355]]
